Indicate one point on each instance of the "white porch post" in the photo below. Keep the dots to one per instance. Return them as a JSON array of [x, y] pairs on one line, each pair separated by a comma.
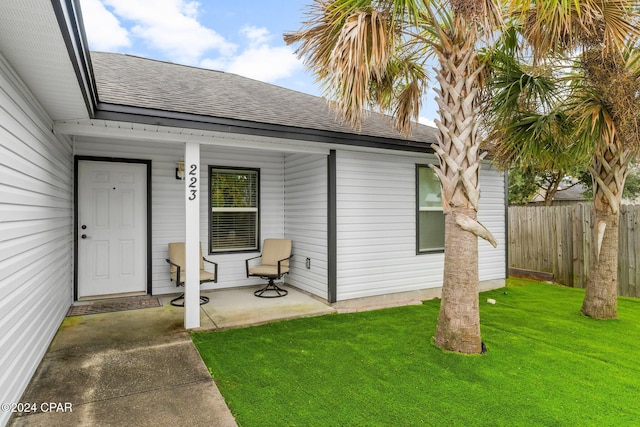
[[192, 235]]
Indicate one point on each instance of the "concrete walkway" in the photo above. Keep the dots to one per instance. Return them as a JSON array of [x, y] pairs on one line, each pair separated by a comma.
[[139, 367]]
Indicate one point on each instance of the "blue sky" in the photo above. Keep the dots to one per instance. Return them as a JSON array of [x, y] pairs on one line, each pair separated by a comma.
[[238, 36]]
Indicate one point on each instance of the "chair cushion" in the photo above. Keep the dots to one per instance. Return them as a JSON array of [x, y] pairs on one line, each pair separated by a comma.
[[205, 276], [274, 250], [267, 270]]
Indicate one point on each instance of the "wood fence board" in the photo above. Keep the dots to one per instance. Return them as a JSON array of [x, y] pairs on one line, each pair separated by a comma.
[[558, 240]]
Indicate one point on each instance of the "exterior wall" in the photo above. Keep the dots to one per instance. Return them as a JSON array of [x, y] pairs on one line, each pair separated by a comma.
[[376, 227], [492, 214], [376, 217], [35, 229], [306, 220], [168, 209]]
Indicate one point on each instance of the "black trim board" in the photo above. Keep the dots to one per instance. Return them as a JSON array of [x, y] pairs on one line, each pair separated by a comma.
[[76, 160], [506, 223], [332, 233]]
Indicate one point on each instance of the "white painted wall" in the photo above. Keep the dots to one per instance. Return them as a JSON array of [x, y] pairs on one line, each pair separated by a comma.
[[168, 200], [376, 208], [306, 220], [492, 214], [35, 235]]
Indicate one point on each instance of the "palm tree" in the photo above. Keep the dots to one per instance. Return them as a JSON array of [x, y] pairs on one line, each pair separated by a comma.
[[596, 111], [375, 53], [607, 105]]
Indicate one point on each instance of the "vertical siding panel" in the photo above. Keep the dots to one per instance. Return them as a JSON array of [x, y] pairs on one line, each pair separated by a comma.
[[35, 234], [306, 220]]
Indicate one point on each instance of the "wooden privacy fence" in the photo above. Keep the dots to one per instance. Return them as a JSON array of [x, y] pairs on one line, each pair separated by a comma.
[[558, 240]]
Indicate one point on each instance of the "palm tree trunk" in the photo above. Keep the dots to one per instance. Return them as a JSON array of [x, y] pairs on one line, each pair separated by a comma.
[[458, 326], [609, 172], [601, 296]]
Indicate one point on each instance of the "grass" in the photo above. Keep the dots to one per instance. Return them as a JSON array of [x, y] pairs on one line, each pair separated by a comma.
[[546, 365]]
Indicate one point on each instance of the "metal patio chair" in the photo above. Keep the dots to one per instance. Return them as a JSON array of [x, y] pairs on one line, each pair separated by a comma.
[[274, 264], [177, 261]]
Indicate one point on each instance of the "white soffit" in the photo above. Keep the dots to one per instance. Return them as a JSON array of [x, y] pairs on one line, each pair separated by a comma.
[[163, 134], [31, 41]]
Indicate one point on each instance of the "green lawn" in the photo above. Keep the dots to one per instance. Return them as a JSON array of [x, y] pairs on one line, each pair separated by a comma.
[[546, 364]]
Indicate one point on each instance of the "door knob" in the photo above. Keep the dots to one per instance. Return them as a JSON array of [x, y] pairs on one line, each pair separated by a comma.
[[84, 236], [84, 227]]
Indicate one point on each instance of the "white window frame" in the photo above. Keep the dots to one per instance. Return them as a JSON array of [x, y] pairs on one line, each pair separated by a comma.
[[213, 210], [420, 209]]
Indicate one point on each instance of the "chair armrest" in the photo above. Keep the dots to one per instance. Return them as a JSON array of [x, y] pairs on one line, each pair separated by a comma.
[[177, 272], [246, 263], [215, 268], [283, 259]]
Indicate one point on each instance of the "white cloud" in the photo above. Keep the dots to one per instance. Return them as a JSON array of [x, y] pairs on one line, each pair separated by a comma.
[[171, 26], [103, 28], [259, 60], [255, 35], [426, 121]]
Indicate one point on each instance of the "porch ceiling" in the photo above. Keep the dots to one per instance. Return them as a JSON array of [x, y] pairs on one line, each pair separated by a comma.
[[33, 44], [97, 128]]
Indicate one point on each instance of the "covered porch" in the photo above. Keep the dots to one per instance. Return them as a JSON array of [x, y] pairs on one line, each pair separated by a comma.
[[292, 199]]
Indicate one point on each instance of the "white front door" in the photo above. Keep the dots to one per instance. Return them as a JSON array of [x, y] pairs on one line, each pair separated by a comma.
[[112, 228]]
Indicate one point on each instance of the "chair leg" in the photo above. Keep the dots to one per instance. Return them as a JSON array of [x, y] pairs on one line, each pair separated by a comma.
[[271, 287], [175, 303]]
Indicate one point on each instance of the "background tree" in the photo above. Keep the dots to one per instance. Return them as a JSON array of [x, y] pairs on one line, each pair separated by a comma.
[[527, 183], [595, 110], [523, 185]]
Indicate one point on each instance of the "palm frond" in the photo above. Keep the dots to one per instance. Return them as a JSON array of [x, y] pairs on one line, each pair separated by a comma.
[[360, 55], [553, 26], [353, 48]]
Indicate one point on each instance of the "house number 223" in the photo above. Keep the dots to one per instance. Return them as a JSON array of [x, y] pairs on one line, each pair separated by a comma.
[[193, 182]]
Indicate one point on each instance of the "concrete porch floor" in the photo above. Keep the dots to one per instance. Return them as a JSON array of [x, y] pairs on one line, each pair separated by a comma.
[[140, 368]]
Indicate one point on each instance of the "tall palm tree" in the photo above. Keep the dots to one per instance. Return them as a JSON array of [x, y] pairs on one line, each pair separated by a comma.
[[375, 53], [607, 106], [596, 111]]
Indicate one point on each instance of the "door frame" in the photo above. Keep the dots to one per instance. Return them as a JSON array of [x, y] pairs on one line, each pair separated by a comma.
[[76, 160]]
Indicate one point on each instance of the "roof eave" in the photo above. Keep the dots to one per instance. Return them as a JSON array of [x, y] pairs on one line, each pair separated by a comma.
[[125, 113], [69, 17]]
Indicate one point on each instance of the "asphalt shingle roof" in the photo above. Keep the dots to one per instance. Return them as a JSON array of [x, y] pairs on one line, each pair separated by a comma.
[[156, 85]]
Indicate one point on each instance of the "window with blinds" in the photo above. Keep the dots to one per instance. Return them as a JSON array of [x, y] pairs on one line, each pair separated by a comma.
[[234, 209], [430, 215]]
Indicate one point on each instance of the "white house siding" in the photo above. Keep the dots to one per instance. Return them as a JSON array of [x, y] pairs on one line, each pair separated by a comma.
[[306, 220], [492, 261], [35, 235], [168, 200], [376, 226]]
